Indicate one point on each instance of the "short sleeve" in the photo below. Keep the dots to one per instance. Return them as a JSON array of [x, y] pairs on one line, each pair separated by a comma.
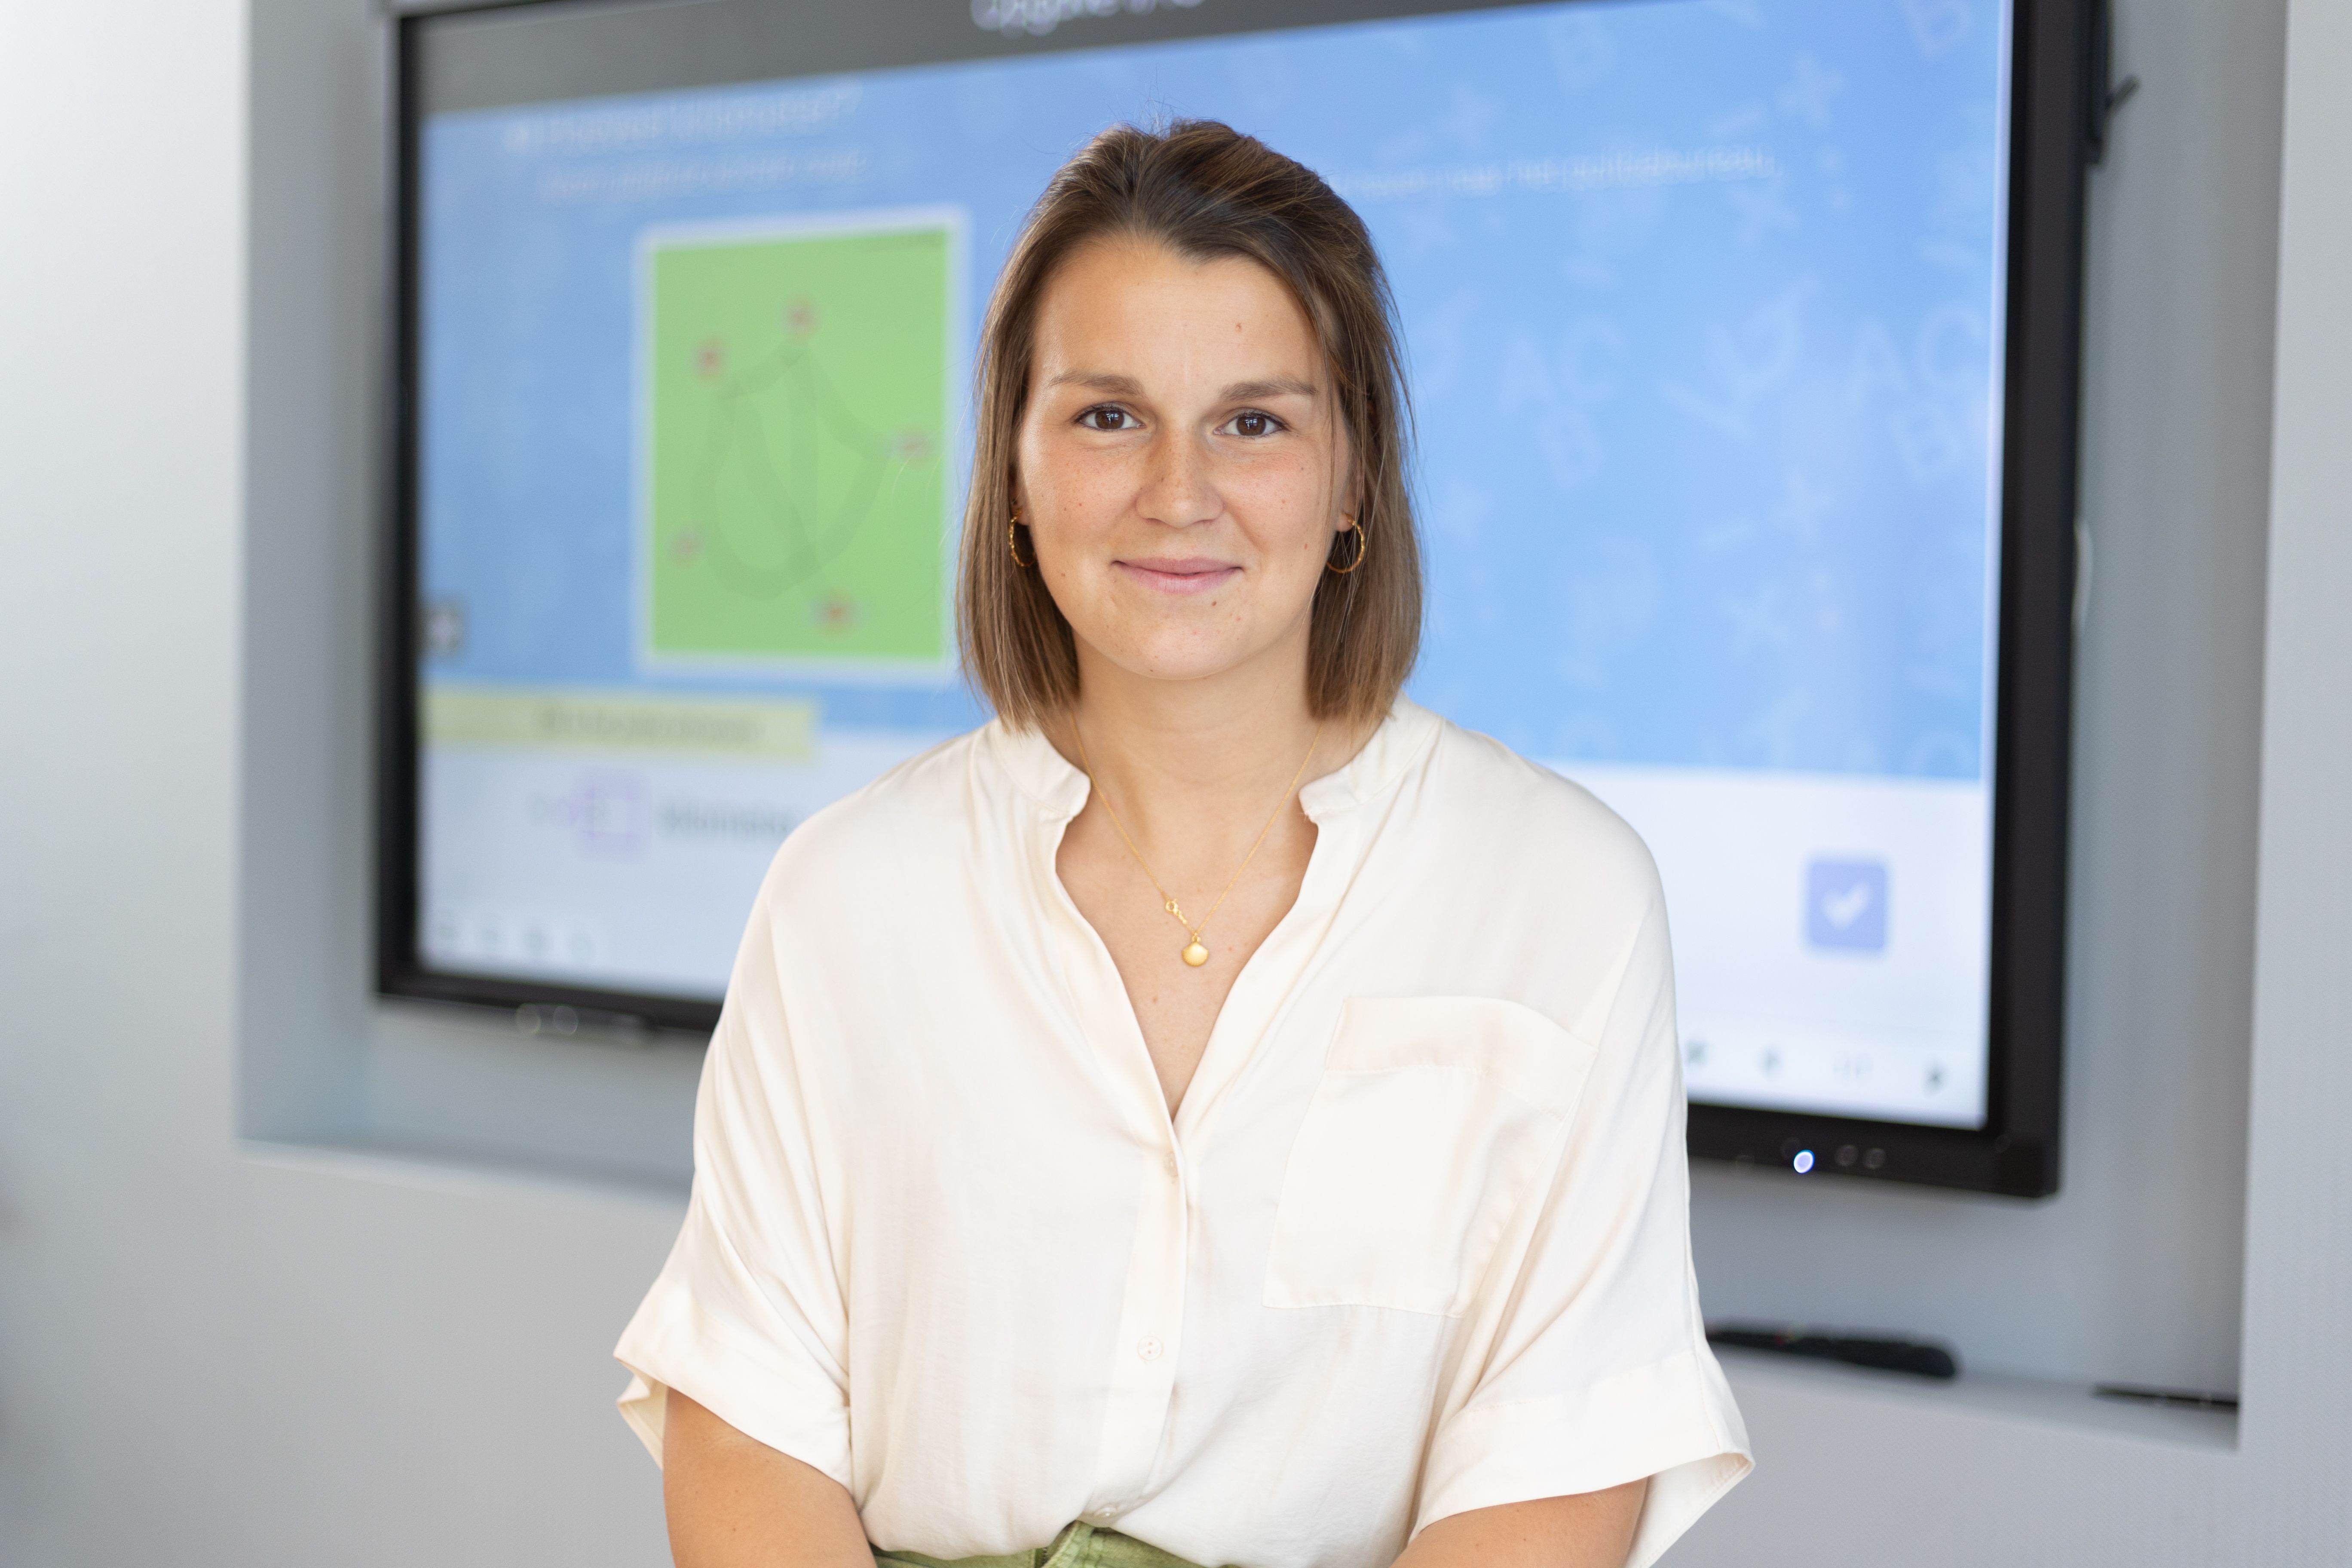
[[747, 1317], [1591, 1364]]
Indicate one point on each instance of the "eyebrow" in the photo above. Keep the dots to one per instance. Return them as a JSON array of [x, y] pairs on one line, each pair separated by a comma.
[[1239, 392], [1278, 386], [1101, 380]]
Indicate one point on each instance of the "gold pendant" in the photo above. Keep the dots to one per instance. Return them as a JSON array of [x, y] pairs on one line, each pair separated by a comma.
[[1195, 954]]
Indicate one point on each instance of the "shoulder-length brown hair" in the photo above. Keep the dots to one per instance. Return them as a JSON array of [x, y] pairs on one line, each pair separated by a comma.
[[1204, 191]]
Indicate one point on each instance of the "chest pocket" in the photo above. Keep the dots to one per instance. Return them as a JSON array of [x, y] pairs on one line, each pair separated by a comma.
[[1435, 1126]]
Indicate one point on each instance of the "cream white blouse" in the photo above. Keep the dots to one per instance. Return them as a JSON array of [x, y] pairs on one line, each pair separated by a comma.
[[1414, 1242]]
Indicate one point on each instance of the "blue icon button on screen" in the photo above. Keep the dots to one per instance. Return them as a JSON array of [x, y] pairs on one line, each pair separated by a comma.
[[1845, 905]]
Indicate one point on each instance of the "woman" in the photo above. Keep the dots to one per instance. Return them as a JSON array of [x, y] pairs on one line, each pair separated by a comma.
[[1219, 1112]]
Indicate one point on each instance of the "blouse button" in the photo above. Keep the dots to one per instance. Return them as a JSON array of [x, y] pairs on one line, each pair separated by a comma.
[[1148, 1349]]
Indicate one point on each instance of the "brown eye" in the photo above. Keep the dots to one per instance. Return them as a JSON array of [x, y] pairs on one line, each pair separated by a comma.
[[1253, 424], [1107, 419]]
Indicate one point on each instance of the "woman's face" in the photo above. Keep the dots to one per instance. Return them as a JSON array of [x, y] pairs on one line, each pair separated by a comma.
[[1181, 461]]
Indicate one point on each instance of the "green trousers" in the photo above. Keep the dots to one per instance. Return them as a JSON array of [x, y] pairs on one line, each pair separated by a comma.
[[1080, 1546]]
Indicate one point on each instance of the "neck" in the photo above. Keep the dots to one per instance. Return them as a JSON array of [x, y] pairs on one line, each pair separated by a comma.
[[1198, 762]]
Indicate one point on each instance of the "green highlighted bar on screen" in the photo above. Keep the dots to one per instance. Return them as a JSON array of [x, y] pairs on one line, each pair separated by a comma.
[[574, 719]]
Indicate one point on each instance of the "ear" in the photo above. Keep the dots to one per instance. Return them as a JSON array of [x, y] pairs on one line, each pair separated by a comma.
[[1350, 487], [1350, 508]]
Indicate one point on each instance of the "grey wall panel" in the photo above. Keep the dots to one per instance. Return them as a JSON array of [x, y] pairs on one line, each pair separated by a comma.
[[2131, 1272], [2299, 1229]]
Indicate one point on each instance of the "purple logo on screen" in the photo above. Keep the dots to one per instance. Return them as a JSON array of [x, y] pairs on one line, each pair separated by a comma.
[[1845, 905], [608, 810]]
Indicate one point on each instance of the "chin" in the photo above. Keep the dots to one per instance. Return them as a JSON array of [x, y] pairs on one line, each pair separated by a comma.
[[1177, 642], [1176, 658], [1180, 669]]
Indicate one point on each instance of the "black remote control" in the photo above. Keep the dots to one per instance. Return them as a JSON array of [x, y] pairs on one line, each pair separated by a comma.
[[1920, 1358]]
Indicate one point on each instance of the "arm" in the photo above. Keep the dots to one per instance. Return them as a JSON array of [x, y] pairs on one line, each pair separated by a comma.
[[1590, 1530], [734, 1502]]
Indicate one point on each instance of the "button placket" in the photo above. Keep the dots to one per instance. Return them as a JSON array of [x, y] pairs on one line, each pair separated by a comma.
[[1143, 1370]]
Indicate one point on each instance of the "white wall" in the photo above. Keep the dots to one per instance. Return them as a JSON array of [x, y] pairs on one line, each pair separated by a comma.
[[208, 1355], [204, 1359]]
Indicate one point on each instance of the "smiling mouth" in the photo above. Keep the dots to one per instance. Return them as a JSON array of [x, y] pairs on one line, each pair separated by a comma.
[[1175, 574]]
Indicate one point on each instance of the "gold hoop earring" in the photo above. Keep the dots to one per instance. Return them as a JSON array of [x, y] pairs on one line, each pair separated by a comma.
[[1362, 544], [1013, 543]]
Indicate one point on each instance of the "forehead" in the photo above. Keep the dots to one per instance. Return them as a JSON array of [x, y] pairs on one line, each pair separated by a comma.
[[1140, 300]]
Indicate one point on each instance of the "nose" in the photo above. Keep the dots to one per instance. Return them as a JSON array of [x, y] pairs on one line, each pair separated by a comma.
[[1179, 487]]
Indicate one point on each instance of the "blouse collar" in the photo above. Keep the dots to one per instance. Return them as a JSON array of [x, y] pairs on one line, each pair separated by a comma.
[[1402, 740]]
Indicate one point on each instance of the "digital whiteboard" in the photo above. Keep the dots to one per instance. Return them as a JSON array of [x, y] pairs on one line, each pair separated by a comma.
[[1708, 318]]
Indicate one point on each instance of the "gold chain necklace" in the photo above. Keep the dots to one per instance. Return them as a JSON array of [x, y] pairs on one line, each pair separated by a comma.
[[1195, 954]]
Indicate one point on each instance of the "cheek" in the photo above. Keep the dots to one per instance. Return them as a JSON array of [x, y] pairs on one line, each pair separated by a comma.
[[1063, 493], [1292, 509]]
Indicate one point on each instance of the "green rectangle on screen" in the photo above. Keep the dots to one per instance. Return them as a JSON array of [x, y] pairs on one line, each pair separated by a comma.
[[795, 389]]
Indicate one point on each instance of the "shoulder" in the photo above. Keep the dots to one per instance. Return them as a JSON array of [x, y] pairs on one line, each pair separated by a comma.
[[1511, 882], [850, 845], [1523, 821]]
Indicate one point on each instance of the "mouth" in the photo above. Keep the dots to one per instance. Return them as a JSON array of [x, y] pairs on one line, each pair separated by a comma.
[[1178, 574]]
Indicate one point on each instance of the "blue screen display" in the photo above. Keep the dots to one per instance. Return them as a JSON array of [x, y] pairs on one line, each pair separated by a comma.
[[1703, 317]]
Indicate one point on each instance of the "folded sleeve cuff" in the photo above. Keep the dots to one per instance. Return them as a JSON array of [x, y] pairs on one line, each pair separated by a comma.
[[1672, 1422], [760, 1388]]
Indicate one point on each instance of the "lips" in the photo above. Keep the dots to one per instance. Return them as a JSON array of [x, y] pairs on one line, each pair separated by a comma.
[[1178, 573]]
